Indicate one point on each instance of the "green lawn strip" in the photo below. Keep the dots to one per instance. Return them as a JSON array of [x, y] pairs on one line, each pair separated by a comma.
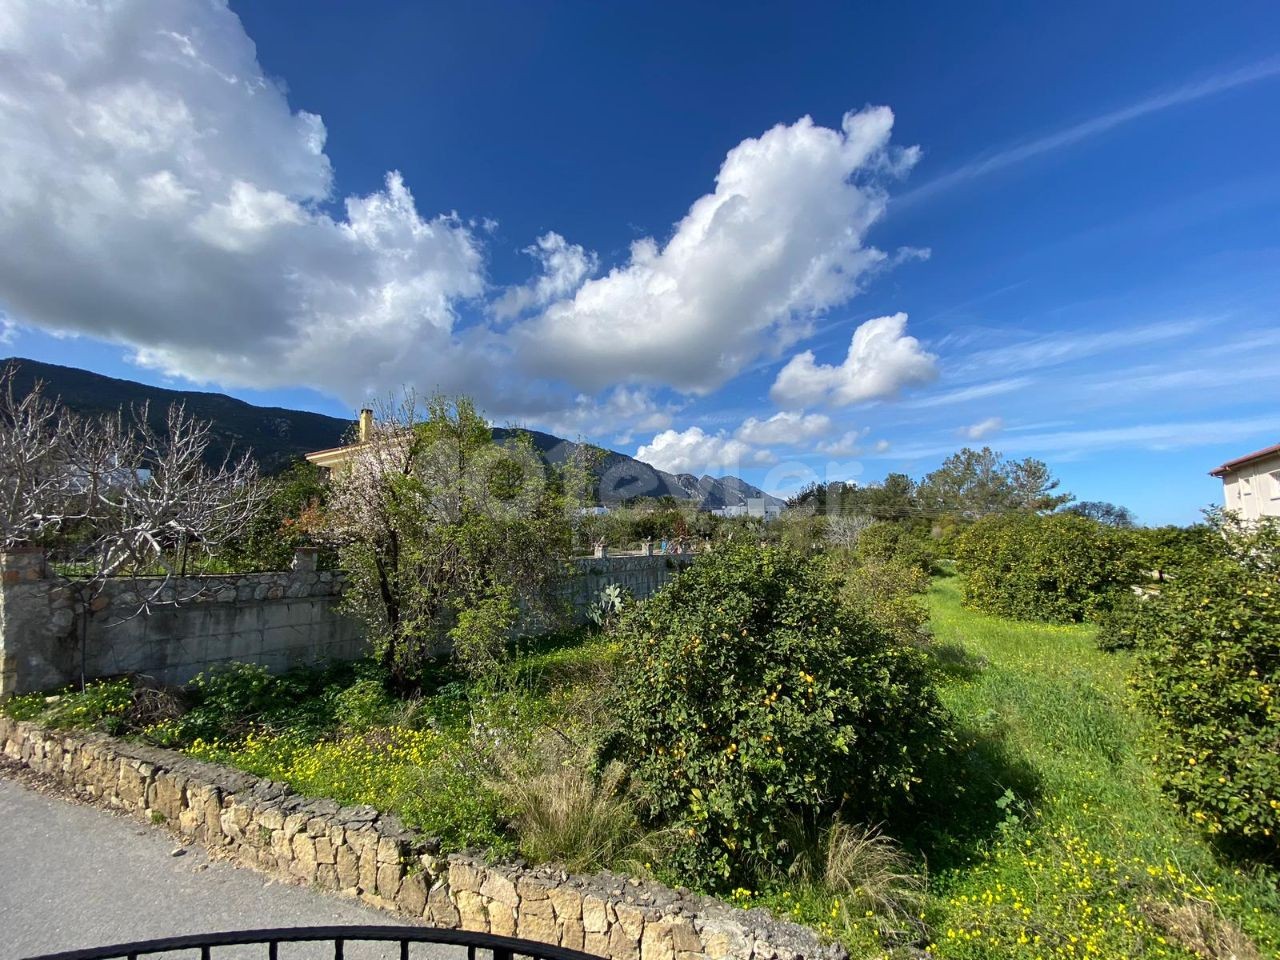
[[1085, 849]]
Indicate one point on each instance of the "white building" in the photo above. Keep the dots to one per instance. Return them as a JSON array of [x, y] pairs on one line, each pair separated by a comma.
[[1251, 484], [731, 510], [761, 507]]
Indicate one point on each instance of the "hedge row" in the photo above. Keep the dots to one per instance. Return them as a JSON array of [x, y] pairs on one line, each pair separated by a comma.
[[1061, 568]]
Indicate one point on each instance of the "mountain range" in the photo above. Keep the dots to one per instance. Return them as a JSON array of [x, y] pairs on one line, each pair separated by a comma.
[[278, 436]]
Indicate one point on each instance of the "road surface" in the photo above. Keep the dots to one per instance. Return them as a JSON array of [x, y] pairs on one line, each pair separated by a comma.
[[74, 876]]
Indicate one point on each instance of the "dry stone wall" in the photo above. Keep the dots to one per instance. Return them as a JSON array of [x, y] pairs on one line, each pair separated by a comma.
[[359, 852]]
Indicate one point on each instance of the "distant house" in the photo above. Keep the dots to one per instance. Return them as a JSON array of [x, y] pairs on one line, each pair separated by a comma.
[[337, 456], [1251, 484], [763, 508]]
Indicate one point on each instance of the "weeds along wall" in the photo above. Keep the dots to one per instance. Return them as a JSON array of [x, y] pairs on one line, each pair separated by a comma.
[[357, 851], [278, 620]]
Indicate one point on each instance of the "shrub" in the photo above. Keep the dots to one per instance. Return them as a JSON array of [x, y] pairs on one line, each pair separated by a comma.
[[1120, 626], [362, 705], [749, 695], [885, 542], [1209, 673], [1161, 552], [888, 594], [1060, 568]]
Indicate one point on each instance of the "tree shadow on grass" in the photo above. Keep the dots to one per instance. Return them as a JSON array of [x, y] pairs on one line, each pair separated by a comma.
[[967, 794], [953, 661], [970, 791]]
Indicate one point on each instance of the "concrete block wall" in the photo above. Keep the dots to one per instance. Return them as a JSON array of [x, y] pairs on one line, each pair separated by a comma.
[[641, 575], [279, 620], [359, 852]]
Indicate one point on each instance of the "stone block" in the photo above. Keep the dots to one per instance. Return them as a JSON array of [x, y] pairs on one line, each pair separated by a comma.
[[572, 935], [684, 938], [500, 889], [303, 863], [471, 911], [412, 897], [532, 888], [441, 911], [595, 914], [657, 942], [622, 945], [502, 919], [538, 924], [388, 879], [724, 940], [567, 903], [324, 850], [630, 918], [389, 850], [348, 865], [464, 876]]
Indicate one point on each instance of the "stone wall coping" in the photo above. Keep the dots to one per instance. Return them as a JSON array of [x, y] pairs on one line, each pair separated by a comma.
[[360, 852]]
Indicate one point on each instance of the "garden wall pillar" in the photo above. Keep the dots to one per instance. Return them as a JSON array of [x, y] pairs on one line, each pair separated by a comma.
[[37, 621]]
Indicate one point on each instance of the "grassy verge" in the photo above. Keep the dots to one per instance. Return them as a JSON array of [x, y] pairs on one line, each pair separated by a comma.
[[1055, 840]]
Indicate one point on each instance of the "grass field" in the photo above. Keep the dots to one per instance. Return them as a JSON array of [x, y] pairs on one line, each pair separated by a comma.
[[1053, 838]]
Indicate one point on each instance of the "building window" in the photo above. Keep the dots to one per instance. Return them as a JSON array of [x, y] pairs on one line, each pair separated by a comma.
[[1275, 484]]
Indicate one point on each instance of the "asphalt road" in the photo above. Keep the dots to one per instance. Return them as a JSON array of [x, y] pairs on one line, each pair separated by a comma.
[[74, 876]]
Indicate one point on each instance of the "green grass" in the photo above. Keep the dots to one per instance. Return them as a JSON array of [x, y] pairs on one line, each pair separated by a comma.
[[1049, 836]]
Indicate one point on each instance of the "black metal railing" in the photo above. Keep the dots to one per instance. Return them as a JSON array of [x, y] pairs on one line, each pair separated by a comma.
[[478, 946]]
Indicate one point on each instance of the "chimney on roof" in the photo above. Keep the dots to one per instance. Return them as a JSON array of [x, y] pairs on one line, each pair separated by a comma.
[[366, 425]]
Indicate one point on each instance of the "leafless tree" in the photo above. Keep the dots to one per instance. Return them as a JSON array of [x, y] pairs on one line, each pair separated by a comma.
[[158, 502], [36, 474], [136, 501], [843, 530]]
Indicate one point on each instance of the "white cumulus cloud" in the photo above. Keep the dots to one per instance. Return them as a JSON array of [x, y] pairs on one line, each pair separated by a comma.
[[622, 408], [157, 190], [564, 267], [882, 361], [779, 240], [784, 428], [848, 444], [696, 451]]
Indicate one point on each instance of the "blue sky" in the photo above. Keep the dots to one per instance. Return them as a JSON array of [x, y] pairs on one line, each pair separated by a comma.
[[1051, 230]]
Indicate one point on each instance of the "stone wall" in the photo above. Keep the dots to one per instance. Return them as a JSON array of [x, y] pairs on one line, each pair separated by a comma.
[[356, 851], [279, 620]]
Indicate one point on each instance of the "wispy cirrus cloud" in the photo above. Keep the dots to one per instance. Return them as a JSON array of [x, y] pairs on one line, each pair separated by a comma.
[[1065, 444], [1064, 346], [979, 391], [1095, 126]]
